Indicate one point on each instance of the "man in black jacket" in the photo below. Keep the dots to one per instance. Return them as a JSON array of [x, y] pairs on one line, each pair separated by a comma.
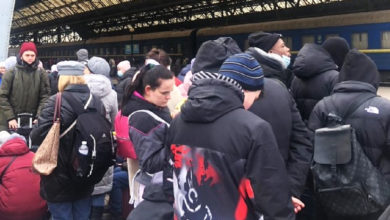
[[359, 76], [277, 107], [315, 76], [272, 46], [226, 161]]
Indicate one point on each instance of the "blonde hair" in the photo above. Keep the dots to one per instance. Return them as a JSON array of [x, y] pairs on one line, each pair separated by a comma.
[[64, 81]]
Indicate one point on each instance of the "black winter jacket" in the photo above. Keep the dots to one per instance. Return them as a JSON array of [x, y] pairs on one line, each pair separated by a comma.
[[315, 76], [124, 82], [148, 136], [61, 185], [371, 120], [226, 161], [277, 107]]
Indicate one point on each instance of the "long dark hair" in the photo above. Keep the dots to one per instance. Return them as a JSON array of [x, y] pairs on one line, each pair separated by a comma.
[[149, 75]]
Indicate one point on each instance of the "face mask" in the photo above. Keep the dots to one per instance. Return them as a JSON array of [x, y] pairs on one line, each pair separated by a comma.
[[119, 73], [286, 60]]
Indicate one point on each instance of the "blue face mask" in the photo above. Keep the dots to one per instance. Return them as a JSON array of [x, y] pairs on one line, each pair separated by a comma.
[[286, 61], [119, 73]]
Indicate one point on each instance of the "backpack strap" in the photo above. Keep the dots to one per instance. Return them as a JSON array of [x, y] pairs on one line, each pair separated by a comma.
[[6, 168], [354, 105], [156, 117], [76, 107]]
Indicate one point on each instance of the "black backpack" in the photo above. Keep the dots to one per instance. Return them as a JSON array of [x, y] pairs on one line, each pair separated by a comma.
[[345, 180], [95, 129]]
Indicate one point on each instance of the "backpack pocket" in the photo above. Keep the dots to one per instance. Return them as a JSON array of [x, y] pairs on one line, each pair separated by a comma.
[[353, 198]]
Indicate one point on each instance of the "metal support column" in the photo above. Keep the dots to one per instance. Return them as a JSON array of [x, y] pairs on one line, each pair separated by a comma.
[[6, 14]]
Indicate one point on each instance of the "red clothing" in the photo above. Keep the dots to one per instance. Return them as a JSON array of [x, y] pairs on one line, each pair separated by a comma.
[[177, 81], [19, 190]]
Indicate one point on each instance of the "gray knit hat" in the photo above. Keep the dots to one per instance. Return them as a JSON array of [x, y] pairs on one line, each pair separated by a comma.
[[70, 68], [82, 56], [98, 65]]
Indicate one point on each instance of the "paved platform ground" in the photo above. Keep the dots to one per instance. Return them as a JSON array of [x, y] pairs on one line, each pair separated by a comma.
[[384, 92]]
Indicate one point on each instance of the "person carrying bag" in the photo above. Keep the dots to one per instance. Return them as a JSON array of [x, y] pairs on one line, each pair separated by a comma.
[[45, 159]]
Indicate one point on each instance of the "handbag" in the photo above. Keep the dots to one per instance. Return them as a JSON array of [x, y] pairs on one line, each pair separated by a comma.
[[45, 159]]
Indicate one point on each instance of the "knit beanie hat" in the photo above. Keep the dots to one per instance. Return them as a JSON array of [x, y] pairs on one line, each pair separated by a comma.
[[70, 68], [244, 69], [98, 65], [338, 48], [82, 56], [359, 67], [212, 53], [263, 40], [28, 46]]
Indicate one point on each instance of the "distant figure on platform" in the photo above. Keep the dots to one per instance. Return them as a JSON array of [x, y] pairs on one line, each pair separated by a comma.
[[125, 75], [24, 88], [82, 56], [19, 186]]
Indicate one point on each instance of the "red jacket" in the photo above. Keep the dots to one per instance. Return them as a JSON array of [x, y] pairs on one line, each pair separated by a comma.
[[19, 190]]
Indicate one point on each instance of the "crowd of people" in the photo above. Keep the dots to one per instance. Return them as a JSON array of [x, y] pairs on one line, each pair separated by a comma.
[[230, 136]]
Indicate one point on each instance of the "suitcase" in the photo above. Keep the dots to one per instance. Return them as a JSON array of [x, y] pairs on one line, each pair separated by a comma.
[[25, 123]]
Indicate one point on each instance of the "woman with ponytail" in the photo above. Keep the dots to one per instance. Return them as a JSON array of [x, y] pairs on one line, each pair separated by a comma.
[[145, 103]]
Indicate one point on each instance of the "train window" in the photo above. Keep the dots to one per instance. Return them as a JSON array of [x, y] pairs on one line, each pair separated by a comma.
[[136, 48], [330, 35], [179, 48], [101, 51], [96, 51], [288, 41], [360, 40], [307, 39], [107, 51], [386, 40], [114, 51], [145, 50]]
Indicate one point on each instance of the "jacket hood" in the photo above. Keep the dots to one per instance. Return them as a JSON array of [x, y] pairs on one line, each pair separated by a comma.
[[353, 87], [99, 85], [359, 67], [15, 145], [272, 63], [209, 99], [312, 60]]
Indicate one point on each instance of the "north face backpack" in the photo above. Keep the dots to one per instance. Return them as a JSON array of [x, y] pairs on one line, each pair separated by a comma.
[[345, 180], [90, 163]]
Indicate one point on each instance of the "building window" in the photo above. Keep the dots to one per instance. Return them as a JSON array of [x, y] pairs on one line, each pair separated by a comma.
[[360, 40], [307, 39], [385, 40]]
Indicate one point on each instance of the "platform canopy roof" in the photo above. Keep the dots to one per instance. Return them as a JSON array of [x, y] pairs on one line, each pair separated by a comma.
[[92, 18]]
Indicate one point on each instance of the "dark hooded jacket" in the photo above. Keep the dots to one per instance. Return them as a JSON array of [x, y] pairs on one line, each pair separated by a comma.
[[277, 107], [24, 89], [147, 135], [226, 161], [371, 120], [124, 81], [62, 185], [315, 76]]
